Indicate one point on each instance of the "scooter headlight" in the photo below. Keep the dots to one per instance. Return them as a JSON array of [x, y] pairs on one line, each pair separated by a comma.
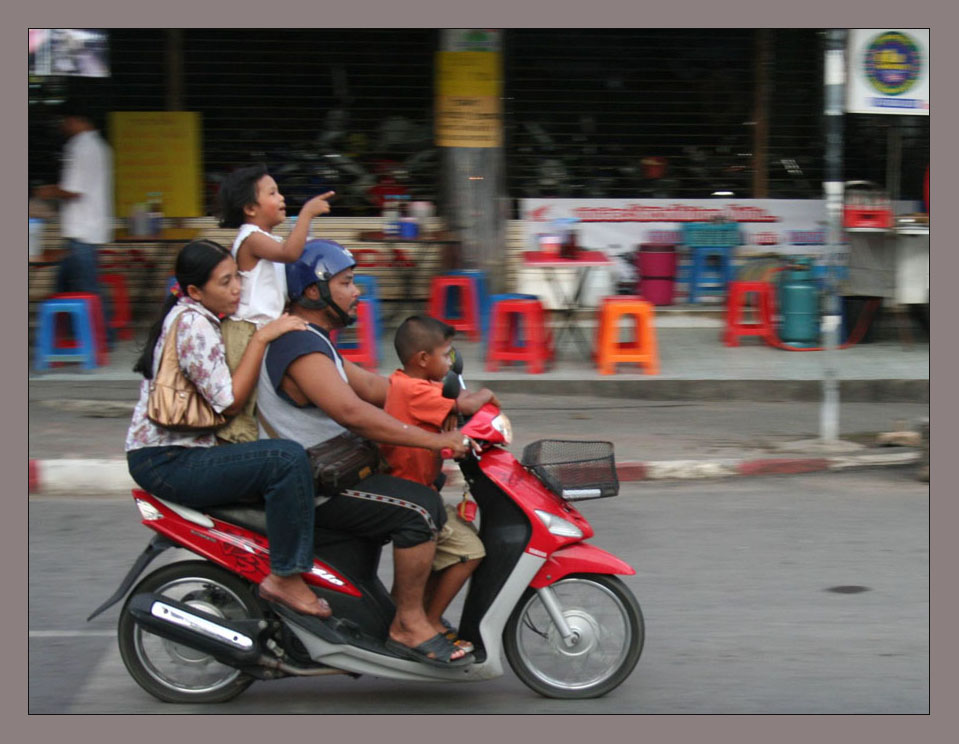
[[557, 525], [502, 424]]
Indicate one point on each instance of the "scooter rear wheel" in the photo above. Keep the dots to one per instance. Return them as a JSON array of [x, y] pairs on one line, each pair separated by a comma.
[[170, 671], [607, 623]]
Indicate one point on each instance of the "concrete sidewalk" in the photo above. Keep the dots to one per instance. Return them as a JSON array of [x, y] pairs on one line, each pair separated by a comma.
[[712, 411]]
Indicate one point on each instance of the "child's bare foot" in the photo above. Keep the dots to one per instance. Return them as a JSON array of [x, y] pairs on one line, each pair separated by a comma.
[[293, 592]]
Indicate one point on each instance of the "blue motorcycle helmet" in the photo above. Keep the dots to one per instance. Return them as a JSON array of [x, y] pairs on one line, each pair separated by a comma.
[[320, 261]]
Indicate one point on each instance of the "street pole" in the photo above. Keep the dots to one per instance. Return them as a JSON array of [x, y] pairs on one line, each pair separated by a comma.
[[834, 95], [470, 136]]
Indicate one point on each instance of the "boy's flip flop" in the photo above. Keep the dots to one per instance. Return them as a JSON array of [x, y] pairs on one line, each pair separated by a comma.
[[435, 652], [452, 634]]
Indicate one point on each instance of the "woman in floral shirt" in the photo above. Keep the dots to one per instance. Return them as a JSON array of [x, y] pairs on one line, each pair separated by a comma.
[[185, 467]]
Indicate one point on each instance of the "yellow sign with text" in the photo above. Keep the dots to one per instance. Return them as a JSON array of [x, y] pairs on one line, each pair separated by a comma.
[[157, 154], [469, 110]]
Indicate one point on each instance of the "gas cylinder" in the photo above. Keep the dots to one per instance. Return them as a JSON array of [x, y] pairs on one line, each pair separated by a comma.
[[799, 305]]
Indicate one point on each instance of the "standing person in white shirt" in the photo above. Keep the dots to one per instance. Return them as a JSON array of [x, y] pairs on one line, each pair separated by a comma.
[[251, 201], [86, 215]]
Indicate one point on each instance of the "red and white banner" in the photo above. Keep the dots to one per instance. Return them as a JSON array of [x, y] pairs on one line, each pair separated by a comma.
[[795, 226]]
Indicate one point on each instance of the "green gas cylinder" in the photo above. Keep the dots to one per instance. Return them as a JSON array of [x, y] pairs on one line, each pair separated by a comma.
[[799, 305]]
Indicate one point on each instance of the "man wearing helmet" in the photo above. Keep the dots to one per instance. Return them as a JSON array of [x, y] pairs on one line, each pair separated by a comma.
[[308, 393]]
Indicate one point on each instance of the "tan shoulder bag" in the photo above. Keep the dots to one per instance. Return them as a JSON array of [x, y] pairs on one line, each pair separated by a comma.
[[174, 401]]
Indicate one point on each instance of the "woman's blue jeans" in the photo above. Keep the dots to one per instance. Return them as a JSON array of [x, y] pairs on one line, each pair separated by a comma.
[[274, 470]]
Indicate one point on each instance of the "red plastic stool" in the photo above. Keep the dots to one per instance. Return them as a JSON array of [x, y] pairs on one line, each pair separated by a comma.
[[365, 352], [96, 323], [736, 301], [122, 318], [640, 349], [518, 333], [469, 316]]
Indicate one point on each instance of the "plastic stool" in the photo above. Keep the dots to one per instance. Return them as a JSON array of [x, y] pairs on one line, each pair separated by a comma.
[[371, 293], [364, 351], [705, 239], [736, 301], [479, 278], [122, 318], [97, 320], [469, 311], [641, 349], [83, 314], [516, 333], [701, 279], [508, 319]]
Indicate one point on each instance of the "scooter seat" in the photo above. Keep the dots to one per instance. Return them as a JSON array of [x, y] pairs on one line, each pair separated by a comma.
[[250, 516]]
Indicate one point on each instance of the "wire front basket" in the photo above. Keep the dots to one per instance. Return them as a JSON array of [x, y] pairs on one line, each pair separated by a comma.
[[573, 470]]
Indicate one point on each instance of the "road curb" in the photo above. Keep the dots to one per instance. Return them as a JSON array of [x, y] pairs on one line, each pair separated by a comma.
[[86, 476]]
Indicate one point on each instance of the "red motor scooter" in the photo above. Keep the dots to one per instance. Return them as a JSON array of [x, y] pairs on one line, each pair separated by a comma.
[[196, 630]]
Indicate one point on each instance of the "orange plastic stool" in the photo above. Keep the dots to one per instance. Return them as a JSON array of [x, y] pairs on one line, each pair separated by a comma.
[[469, 319], [736, 301], [365, 352], [121, 320], [641, 349], [518, 333]]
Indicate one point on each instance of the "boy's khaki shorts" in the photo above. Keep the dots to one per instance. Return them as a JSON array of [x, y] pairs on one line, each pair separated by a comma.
[[243, 426], [457, 542]]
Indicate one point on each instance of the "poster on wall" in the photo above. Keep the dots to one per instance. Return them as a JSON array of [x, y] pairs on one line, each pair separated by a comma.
[[888, 71], [157, 158], [469, 90]]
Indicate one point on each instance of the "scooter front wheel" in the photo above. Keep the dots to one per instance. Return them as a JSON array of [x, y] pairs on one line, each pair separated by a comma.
[[173, 672], [607, 635]]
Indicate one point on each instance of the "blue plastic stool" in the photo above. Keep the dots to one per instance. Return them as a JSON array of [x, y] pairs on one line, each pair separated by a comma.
[[46, 350], [371, 293], [702, 278], [706, 239], [479, 279]]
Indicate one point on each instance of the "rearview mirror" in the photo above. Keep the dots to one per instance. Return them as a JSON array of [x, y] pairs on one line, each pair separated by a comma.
[[451, 385], [457, 361]]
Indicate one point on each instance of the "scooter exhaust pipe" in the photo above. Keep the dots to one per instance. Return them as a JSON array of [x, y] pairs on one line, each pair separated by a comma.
[[232, 642]]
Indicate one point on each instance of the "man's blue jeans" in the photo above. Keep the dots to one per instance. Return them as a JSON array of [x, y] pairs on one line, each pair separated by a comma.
[[276, 471], [78, 273]]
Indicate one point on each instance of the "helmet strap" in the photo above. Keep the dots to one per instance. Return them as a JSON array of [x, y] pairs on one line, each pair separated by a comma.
[[326, 301]]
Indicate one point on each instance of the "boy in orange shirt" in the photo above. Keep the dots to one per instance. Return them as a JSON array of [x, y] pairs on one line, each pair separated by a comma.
[[415, 397]]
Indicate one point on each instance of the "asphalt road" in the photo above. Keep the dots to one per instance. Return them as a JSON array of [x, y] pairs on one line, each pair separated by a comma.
[[737, 581]]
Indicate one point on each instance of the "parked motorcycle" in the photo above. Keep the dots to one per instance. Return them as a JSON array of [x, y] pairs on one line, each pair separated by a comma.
[[196, 630]]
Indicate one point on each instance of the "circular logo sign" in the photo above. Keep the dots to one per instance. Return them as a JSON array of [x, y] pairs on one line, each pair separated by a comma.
[[893, 63]]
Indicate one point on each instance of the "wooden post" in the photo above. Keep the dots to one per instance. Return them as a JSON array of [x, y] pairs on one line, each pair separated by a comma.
[[174, 69], [761, 114]]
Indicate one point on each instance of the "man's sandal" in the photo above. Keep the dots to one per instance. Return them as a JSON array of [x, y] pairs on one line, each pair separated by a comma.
[[435, 652]]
